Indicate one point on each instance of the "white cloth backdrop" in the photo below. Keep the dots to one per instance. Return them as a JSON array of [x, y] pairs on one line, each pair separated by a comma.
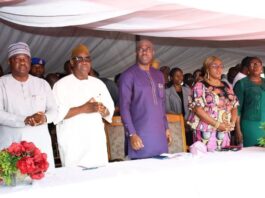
[[196, 19], [52, 27]]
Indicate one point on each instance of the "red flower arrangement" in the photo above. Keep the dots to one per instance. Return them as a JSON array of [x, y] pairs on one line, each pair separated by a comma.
[[24, 158]]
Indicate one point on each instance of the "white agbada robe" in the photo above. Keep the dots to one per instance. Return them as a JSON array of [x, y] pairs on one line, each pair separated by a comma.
[[81, 138], [19, 100]]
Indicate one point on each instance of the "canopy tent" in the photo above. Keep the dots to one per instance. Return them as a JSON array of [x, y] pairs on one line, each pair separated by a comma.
[[184, 32]]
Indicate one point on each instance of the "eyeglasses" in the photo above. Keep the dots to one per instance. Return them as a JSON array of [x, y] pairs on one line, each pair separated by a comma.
[[215, 66], [148, 50], [256, 64], [80, 59]]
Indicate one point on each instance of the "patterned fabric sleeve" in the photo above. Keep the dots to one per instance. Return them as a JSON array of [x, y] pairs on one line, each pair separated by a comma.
[[232, 97], [198, 96]]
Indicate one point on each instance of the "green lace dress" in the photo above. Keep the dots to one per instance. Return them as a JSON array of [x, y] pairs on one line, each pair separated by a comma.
[[251, 109]]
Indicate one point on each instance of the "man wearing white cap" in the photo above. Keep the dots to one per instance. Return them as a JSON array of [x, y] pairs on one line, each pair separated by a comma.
[[26, 104]]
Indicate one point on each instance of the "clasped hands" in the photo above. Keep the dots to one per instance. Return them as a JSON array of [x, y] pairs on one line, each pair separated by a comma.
[[93, 106], [36, 119], [226, 127]]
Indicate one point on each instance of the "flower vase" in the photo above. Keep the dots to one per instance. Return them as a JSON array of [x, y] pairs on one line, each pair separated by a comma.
[[20, 179]]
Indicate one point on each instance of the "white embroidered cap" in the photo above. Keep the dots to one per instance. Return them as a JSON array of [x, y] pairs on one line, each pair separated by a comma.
[[18, 48]]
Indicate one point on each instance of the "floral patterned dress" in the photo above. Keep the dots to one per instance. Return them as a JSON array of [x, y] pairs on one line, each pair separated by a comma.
[[217, 101]]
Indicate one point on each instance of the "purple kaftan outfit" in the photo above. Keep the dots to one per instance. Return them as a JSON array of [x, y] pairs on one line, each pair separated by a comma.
[[142, 108]]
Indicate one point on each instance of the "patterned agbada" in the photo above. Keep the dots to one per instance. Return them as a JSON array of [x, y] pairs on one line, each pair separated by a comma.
[[142, 108], [22, 99], [218, 103]]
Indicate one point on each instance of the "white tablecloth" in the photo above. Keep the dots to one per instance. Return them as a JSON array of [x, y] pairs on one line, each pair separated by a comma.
[[219, 174]]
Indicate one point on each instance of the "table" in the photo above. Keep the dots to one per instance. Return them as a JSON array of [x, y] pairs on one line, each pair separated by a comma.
[[217, 174]]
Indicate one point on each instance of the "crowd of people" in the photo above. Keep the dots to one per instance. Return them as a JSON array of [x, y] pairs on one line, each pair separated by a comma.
[[217, 111]]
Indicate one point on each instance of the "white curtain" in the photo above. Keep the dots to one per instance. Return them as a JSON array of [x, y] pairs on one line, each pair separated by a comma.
[[184, 32], [192, 19]]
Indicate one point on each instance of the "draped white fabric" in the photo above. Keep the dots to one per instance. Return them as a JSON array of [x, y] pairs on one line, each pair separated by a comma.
[[199, 27], [203, 19]]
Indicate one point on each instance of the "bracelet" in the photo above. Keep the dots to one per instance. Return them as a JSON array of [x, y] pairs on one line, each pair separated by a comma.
[[217, 124]]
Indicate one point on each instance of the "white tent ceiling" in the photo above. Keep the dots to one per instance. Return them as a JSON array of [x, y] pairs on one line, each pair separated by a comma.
[[184, 31]]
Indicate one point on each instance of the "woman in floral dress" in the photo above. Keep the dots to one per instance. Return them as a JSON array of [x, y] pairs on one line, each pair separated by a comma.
[[213, 107]]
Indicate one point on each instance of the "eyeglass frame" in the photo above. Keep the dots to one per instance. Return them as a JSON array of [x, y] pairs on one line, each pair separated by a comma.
[[215, 66], [80, 59], [255, 64]]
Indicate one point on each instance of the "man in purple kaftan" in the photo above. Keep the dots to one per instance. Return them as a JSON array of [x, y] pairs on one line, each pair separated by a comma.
[[142, 106]]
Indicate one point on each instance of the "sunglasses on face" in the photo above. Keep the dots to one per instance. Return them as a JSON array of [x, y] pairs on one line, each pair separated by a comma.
[[80, 59]]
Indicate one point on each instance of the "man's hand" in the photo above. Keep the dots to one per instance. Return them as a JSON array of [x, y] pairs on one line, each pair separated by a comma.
[[36, 119], [136, 142], [93, 106]]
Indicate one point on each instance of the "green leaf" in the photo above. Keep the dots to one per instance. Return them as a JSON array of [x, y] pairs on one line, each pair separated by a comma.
[[7, 166], [261, 141]]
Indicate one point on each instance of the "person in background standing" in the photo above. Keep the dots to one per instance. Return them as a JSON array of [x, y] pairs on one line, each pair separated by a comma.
[[165, 70], [243, 71], [37, 67]]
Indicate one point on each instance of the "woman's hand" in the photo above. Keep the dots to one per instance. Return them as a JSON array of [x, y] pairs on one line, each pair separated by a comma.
[[226, 127]]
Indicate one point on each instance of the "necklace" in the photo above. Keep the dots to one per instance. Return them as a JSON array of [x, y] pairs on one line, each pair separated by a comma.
[[216, 83], [256, 80]]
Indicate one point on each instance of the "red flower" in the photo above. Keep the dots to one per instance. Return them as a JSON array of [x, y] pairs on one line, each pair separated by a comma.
[[29, 159], [16, 149], [26, 165], [37, 175], [36, 152], [41, 162], [29, 147]]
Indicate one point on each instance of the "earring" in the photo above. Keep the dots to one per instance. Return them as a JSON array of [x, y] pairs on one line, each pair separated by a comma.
[[207, 74]]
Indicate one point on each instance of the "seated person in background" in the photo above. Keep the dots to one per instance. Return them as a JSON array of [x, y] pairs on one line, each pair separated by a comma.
[[37, 67], [214, 107], [82, 102], [26, 104]]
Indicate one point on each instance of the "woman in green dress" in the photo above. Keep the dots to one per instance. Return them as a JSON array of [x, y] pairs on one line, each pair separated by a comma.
[[251, 94]]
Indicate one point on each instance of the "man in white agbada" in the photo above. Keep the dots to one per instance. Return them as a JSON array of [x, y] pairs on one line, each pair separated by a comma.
[[82, 102], [27, 104]]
